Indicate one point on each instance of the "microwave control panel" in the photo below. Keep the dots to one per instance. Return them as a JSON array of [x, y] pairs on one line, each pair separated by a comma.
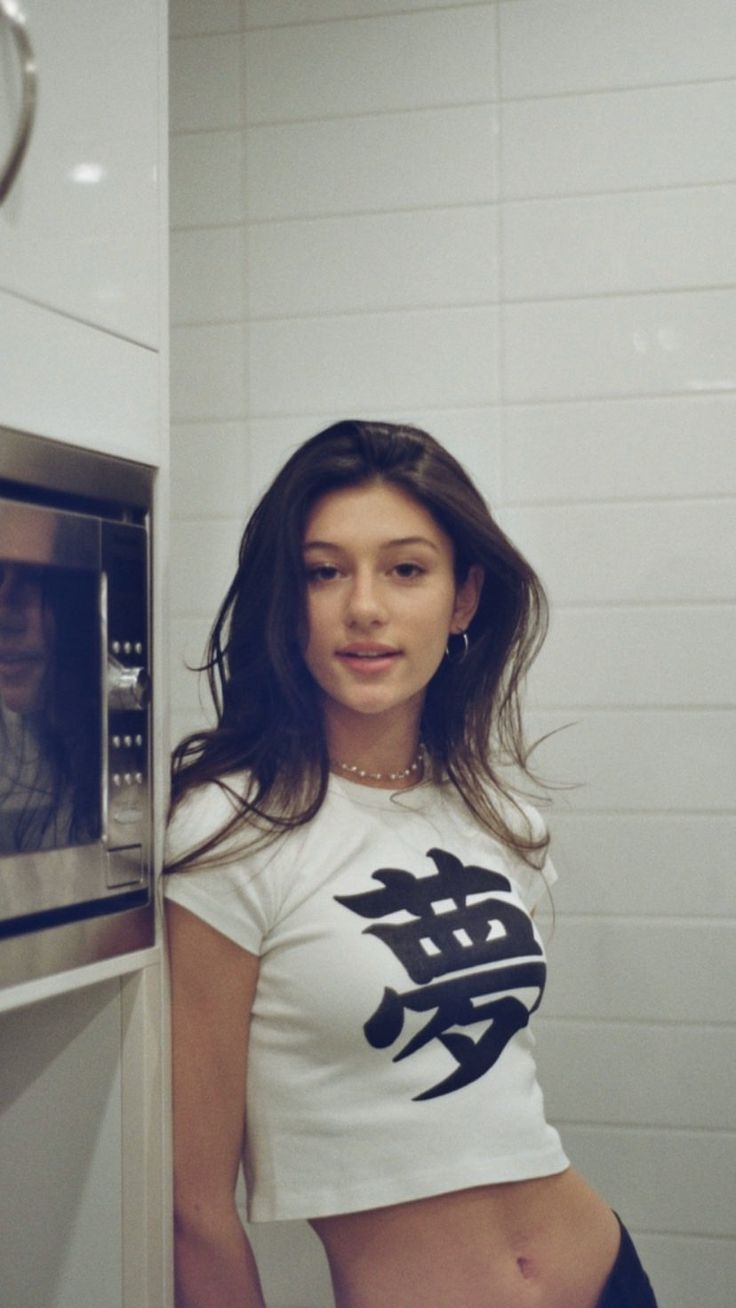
[[128, 692]]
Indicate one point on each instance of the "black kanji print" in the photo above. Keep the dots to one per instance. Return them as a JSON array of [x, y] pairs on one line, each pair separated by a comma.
[[457, 923]]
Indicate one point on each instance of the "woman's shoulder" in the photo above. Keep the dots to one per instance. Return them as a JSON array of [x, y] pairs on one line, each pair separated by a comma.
[[530, 868], [533, 870], [521, 817], [524, 818], [202, 812]]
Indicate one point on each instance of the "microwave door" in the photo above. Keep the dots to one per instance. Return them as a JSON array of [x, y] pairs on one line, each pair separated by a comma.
[[50, 712], [74, 733]]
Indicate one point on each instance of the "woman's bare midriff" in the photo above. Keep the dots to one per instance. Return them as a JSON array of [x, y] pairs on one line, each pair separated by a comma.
[[545, 1243]]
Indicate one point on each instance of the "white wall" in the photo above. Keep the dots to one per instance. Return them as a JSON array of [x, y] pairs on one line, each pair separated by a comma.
[[512, 222]]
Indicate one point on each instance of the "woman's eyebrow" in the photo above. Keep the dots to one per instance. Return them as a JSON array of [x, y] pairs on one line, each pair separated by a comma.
[[401, 541], [320, 545], [412, 540]]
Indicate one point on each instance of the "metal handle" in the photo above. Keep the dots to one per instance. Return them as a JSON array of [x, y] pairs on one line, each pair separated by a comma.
[[127, 688], [10, 10]]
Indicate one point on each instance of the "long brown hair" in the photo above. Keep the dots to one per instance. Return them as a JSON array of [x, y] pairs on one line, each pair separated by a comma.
[[268, 718]]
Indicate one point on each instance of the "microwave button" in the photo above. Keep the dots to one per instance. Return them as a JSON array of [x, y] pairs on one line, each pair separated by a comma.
[[127, 647], [115, 647], [116, 779], [127, 741], [116, 742], [139, 741], [138, 647], [139, 778]]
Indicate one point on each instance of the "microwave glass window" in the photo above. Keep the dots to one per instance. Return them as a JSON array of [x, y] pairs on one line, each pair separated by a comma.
[[50, 706]]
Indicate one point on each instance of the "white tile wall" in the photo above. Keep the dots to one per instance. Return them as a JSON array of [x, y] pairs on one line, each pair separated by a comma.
[[680, 1267], [619, 140], [627, 345], [222, 452], [639, 552], [653, 864], [206, 179], [636, 449], [191, 17], [608, 244], [207, 550], [614, 979], [680, 759], [267, 13], [205, 103], [370, 262], [663, 656], [208, 371], [677, 1181], [205, 264], [417, 358], [555, 46], [512, 223], [677, 1094], [388, 161], [365, 67]]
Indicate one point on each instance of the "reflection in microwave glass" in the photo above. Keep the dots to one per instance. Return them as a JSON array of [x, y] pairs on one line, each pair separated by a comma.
[[50, 706]]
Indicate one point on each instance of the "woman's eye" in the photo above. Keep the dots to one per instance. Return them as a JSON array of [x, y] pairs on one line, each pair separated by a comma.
[[408, 570], [322, 572]]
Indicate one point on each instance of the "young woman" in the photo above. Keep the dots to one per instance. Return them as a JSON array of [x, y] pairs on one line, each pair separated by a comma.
[[349, 895]]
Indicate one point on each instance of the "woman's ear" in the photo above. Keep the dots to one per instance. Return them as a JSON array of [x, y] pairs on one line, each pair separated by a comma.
[[467, 599]]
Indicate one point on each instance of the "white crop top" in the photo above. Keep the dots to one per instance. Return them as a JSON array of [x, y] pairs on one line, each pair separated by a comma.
[[390, 1056]]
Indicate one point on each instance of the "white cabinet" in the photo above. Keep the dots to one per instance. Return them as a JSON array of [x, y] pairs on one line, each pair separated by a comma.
[[79, 228], [83, 359], [83, 270], [84, 1209]]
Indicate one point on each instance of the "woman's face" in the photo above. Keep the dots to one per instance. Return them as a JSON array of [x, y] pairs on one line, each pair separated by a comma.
[[26, 637], [381, 601]]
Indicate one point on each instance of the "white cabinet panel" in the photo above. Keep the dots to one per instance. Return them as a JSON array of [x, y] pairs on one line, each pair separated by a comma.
[[61, 1143], [70, 382], [79, 230]]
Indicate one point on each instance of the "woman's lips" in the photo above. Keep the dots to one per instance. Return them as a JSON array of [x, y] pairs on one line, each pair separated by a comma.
[[368, 662]]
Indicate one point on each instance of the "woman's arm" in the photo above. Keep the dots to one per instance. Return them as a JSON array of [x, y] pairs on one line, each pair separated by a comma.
[[213, 982]]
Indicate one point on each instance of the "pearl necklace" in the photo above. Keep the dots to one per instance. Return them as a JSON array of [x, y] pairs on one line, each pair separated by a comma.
[[382, 776]]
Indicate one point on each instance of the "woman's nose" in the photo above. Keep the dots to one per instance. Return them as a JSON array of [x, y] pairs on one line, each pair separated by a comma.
[[365, 603]]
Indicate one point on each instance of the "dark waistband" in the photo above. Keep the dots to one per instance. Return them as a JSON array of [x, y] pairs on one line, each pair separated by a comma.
[[628, 1285]]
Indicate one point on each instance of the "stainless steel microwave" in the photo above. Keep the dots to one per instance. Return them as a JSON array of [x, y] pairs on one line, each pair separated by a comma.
[[75, 707]]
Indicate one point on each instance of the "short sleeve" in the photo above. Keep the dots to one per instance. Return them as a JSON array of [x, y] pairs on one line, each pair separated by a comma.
[[535, 883], [228, 897]]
